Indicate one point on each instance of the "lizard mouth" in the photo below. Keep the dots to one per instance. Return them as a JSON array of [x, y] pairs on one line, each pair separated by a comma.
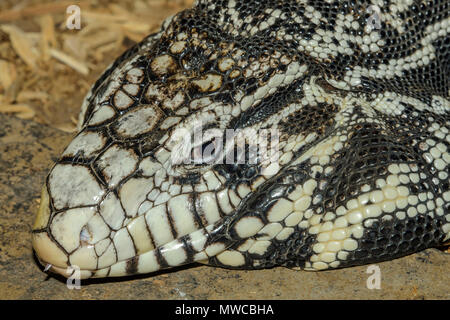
[[47, 252], [74, 252]]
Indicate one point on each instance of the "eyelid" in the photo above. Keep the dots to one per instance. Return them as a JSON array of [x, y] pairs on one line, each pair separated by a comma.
[[208, 135], [197, 152]]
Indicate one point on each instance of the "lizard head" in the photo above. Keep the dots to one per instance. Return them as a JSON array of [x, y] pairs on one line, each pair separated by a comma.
[[173, 139], [250, 138]]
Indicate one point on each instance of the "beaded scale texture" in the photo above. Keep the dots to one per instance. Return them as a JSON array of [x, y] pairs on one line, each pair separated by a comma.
[[362, 112]]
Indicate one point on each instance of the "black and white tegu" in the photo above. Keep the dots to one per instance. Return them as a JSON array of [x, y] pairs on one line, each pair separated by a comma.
[[249, 134]]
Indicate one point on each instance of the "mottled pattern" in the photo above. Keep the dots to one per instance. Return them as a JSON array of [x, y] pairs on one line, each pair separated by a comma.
[[363, 122], [28, 149]]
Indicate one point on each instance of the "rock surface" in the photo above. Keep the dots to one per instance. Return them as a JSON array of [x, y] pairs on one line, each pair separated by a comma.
[[27, 151]]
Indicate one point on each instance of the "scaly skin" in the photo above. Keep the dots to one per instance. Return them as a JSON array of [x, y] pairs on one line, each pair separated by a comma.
[[359, 113]]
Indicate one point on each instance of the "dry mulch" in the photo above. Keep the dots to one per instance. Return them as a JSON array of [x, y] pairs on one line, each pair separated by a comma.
[[46, 68]]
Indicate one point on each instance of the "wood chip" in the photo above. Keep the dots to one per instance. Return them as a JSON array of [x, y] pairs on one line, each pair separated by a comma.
[[74, 120], [48, 39], [120, 11], [96, 41], [70, 61], [66, 127], [100, 52], [32, 95], [21, 44], [76, 45], [90, 16], [136, 37], [22, 111], [8, 75], [138, 27]]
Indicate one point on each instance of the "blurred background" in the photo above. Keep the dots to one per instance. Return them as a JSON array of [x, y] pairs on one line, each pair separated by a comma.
[[47, 68]]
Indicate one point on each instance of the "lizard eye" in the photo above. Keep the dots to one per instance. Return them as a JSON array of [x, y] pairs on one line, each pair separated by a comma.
[[207, 152]]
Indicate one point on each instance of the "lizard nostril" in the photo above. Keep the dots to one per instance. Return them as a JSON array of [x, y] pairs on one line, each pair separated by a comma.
[[85, 236]]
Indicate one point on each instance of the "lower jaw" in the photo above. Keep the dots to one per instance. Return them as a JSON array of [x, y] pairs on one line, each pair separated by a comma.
[[66, 272], [72, 273]]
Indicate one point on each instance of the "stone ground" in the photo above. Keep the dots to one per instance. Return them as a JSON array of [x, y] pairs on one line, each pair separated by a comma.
[[27, 150]]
